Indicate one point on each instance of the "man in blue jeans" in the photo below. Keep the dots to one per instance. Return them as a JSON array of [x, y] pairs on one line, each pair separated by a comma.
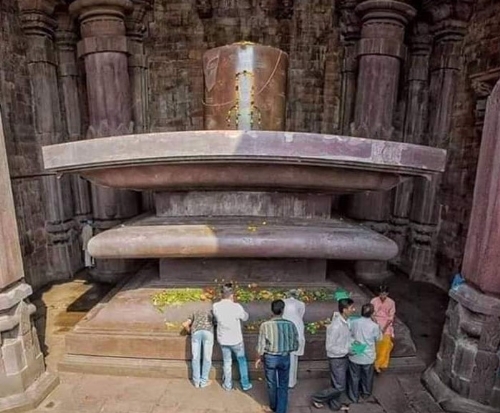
[[200, 325], [228, 316], [277, 339]]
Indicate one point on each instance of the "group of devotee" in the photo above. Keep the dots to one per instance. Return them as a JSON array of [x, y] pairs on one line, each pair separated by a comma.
[[356, 346]]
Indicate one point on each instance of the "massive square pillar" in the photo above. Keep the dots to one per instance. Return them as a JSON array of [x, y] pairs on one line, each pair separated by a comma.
[[466, 376], [23, 380]]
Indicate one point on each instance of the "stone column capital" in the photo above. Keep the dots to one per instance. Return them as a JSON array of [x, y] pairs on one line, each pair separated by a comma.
[[383, 27], [420, 38], [102, 25], [482, 89], [86, 9], [65, 35], [134, 22], [37, 17], [441, 10], [350, 25], [385, 11]]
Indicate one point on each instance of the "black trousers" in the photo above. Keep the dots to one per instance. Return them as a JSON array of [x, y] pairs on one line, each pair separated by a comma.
[[334, 396], [360, 380]]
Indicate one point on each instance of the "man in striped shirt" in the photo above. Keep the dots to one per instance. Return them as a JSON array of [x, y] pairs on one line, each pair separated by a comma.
[[277, 339]]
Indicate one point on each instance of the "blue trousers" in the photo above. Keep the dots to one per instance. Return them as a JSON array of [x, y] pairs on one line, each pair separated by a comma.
[[239, 352], [277, 371], [201, 339]]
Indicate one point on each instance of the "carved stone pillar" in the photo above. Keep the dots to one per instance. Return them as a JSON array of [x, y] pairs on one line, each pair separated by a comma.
[[63, 254], [350, 30], [450, 23], [105, 53], [466, 376], [23, 380], [137, 63], [138, 67], [415, 123], [380, 52], [66, 39]]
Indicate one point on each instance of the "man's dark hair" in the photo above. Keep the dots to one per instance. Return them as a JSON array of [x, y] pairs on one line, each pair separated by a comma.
[[367, 310], [344, 304], [227, 290], [383, 289], [277, 307]]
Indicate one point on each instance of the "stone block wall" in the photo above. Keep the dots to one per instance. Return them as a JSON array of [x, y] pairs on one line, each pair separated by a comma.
[[33, 206], [22, 147], [181, 31]]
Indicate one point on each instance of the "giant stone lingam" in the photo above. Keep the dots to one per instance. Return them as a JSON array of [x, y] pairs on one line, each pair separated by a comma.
[[243, 200]]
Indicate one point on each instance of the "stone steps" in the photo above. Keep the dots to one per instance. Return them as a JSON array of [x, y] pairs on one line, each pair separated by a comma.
[[121, 366]]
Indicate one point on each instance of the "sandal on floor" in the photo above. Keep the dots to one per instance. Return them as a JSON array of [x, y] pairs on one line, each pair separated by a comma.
[[317, 405]]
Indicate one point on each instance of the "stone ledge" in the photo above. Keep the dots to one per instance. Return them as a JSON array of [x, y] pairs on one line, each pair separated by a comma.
[[476, 301], [155, 368], [10, 298], [32, 397], [9, 321]]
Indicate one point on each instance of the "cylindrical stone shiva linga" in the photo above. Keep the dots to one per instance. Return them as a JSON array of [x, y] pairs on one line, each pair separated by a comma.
[[245, 87]]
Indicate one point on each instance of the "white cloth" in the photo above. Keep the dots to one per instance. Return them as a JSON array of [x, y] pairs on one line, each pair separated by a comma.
[[229, 315], [87, 233], [294, 312], [338, 337], [366, 331], [294, 368]]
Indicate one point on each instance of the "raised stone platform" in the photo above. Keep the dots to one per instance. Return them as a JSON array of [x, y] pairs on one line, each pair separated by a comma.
[[126, 334], [244, 160], [242, 237]]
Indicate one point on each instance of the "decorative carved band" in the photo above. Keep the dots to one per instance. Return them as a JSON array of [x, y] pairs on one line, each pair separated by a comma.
[[104, 130], [383, 10], [386, 47], [118, 44]]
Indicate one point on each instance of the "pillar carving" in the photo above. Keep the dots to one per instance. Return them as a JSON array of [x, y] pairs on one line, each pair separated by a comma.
[[71, 95], [38, 23], [466, 375], [482, 90], [136, 30], [24, 383], [350, 28], [104, 50], [380, 52], [450, 19], [414, 128]]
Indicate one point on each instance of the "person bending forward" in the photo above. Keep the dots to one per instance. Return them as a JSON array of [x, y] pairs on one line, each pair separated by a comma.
[[338, 343], [200, 325], [228, 316]]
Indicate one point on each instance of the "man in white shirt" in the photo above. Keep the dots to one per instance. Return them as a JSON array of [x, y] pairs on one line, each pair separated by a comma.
[[338, 343], [228, 316], [365, 331]]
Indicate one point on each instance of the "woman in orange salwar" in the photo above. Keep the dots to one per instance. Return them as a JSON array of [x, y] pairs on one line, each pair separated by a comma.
[[385, 311]]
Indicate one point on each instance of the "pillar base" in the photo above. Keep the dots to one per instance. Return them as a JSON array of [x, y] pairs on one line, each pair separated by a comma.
[[24, 383], [466, 375], [448, 399], [371, 272], [32, 397]]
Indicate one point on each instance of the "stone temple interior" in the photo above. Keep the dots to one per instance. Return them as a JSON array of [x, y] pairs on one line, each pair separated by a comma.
[[169, 144]]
